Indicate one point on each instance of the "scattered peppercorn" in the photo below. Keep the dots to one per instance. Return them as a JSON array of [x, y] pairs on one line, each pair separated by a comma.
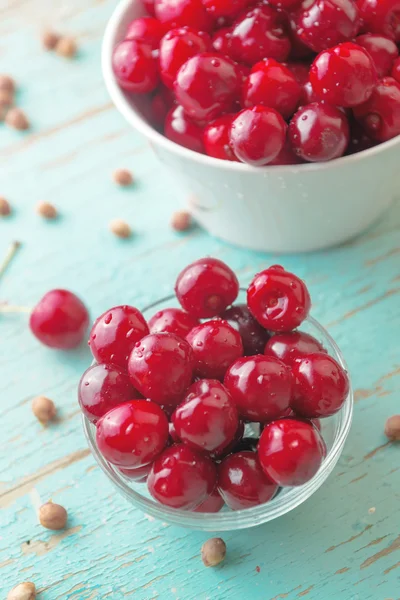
[[66, 47], [53, 516], [44, 409], [181, 220], [392, 428], [17, 119], [213, 552], [123, 177], [5, 208], [50, 40], [46, 210], [23, 591], [7, 83], [120, 228]]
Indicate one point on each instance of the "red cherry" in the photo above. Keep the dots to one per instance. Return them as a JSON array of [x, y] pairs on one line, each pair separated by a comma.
[[176, 47], [233, 445], [260, 386], [285, 4], [344, 75], [396, 70], [253, 335], [257, 135], [258, 34], [242, 483], [288, 347], [182, 478], [206, 287], [207, 85], [359, 140], [215, 346], [225, 8], [221, 40], [286, 156], [321, 24], [59, 320], [299, 70], [382, 50], [172, 433], [290, 451], [319, 132], [381, 16], [147, 30], [212, 504], [161, 367], [160, 105], [308, 95], [181, 130], [216, 138], [135, 67], [380, 115], [103, 387], [183, 12], [149, 6], [279, 300], [321, 386], [139, 475], [172, 320], [115, 333], [132, 434]]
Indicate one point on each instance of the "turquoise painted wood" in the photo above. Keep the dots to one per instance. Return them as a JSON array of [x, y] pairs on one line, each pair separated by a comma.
[[343, 543]]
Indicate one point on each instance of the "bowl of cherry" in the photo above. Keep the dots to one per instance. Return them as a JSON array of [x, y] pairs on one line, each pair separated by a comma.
[[218, 408], [281, 119]]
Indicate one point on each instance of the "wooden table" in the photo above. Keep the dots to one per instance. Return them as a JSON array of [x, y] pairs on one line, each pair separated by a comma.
[[343, 543]]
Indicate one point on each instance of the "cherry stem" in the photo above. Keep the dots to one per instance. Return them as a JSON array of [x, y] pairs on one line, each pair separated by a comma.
[[11, 252], [6, 308]]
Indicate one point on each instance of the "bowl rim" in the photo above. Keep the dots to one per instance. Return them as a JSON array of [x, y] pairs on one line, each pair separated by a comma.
[[138, 122], [245, 518]]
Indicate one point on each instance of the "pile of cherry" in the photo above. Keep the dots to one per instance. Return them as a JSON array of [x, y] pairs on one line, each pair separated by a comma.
[[277, 82], [170, 398]]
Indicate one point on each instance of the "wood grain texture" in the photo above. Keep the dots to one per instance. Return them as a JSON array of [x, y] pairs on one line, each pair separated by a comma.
[[332, 547]]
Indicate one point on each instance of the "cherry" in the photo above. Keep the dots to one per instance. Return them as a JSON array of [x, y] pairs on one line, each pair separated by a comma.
[[299, 70], [161, 367], [115, 333], [59, 320], [215, 346], [286, 156], [176, 47], [279, 300], [236, 441], [308, 95], [344, 75], [139, 475], [290, 451], [359, 140], [242, 483], [101, 388], [212, 504], [382, 50], [149, 6], [380, 115], [285, 4], [207, 420], [396, 70], [206, 287], [216, 138], [207, 85], [221, 40], [182, 478], [253, 335], [288, 347], [180, 129], [319, 132], [258, 34], [260, 386], [172, 433], [225, 8], [172, 320], [321, 24], [160, 105], [183, 12], [257, 135], [381, 16], [271, 84], [132, 434], [135, 67], [321, 386], [147, 30]]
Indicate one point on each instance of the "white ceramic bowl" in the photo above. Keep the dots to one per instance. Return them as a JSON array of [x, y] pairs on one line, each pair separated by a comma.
[[290, 208]]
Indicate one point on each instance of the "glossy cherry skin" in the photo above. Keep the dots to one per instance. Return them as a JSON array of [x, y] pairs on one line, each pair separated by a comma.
[[258, 34], [299, 70], [380, 115], [172, 320], [285, 4], [321, 386], [207, 419], [260, 386], [325, 23], [161, 367], [344, 75], [183, 12], [278, 299], [115, 333], [176, 47], [286, 156], [103, 387], [381, 16], [206, 287], [138, 475], [319, 132], [135, 67], [147, 30], [180, 129], [242, 483], [216, 138], [215, 346], [182, 478], [221, 40], [396, 70], [290, 451], [236, 441], [288, 347], [132, 434], [254, 337], [225, 8], [382, 50], [207, 85], [257, 135], [59, 320], [271, 84], [212, 504]]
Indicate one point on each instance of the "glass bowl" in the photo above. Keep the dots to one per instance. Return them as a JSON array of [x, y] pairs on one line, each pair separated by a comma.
[[335, 430]]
